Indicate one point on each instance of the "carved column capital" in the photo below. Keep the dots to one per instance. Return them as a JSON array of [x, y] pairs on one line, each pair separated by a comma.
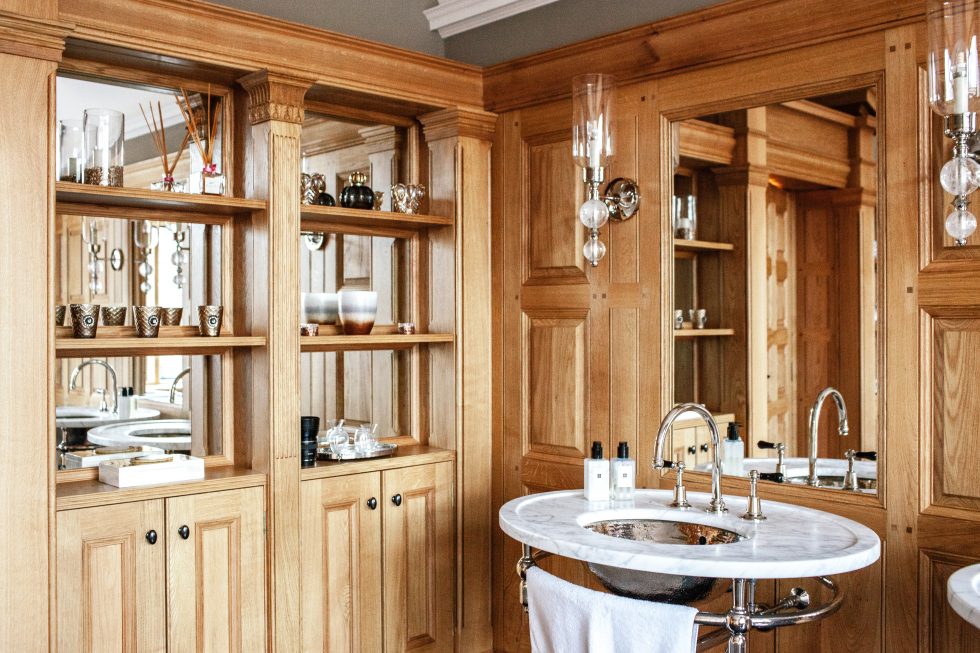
[[273, 96], [33, 37], [458, 121]]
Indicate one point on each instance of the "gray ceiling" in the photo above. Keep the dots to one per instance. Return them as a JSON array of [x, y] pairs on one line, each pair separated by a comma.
[[401, 23]]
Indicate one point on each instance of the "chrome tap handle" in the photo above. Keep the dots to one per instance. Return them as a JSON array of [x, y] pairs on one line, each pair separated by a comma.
[[780, 448], [103, 404], [680, 492], [754, 512], [851, 478], [866, 455], [775, 477]]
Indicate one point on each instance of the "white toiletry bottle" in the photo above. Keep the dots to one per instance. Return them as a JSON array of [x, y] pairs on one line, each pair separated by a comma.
[[124, 403], [623, 481], [733, 451], [596, 475]]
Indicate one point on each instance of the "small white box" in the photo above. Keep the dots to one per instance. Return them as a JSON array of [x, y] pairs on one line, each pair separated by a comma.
[[133, 473], [94, 458]]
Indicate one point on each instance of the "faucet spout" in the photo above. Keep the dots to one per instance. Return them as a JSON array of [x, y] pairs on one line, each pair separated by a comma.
[[814, 423], [173, 386], [112, 375], [717, 504]]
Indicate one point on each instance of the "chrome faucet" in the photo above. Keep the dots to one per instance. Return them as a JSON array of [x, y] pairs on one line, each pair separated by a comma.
[[842, 429], [173, 386], [112, 375], [717, 504]]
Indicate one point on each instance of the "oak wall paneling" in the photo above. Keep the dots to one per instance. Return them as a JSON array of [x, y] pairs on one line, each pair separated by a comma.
[[881, 616]]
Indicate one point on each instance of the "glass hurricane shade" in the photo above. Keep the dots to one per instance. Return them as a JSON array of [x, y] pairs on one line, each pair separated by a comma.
[[953, 61], [592, 98]]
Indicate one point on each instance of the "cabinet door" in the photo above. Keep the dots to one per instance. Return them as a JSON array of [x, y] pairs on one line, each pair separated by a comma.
[[340, 549], [110, 587], [216, 574], [418, 558], [684, 446]]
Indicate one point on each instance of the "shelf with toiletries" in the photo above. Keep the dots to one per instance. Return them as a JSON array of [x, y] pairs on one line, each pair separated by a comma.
[[74, 198], [407, 454]]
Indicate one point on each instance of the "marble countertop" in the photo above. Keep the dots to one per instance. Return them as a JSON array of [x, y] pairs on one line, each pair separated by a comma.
[[164, 433], [793, 542], [801, 466], [83, 417], [963, 593]]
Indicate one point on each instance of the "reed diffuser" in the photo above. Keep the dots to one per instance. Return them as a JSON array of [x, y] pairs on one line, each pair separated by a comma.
[[159, 133], [212, 181]]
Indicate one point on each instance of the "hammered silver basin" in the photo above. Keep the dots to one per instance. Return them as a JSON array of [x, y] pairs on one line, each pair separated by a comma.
[[837, 482], [652, 586]]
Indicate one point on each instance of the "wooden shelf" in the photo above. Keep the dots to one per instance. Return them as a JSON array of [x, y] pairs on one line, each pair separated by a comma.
[[167, 343], [702, 333], [373, 341], [404, 456], [83, 198], [338, 219], [89, 493], [702, 246]]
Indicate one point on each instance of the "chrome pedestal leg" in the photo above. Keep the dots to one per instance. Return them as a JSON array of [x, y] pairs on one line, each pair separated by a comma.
[[738, 617]]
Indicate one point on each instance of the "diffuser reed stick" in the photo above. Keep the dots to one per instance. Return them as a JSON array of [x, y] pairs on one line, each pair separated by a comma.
[[205, 145], [159, 133]]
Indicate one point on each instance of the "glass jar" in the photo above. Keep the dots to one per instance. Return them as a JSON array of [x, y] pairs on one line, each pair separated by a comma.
[[212, 181], [71, 150], [685, 217], [104, 133]]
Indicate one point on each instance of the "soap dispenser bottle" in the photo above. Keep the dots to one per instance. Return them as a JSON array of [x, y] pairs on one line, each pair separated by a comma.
[[733, 451], [623, 479], [596, 475], [124, 403]]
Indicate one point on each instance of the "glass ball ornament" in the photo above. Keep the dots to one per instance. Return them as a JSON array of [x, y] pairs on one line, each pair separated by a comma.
[[960, 175], [960, 224], [593, 213], [179, 280], [179, 258], [145, 287], [145, 269], [594, 250]]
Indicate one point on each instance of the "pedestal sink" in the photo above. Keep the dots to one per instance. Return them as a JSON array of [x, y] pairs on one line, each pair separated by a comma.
[[86, 417], [168, 434]]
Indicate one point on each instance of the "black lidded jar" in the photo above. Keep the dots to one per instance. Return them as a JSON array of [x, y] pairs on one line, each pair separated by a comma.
[[309, 427], [356, 195]]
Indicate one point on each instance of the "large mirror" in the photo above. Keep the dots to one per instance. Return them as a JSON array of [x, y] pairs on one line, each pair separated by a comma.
[[776, 286], [360, 387], [174, 401]]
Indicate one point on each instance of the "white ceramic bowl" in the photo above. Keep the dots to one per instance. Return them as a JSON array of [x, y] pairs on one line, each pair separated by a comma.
[[319, 308], [358, 308]]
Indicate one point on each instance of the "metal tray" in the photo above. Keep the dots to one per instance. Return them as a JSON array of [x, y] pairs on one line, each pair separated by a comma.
[[381, 450]]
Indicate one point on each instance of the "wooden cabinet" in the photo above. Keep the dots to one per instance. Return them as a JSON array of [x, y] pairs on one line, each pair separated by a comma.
[[128, 579], [378, 561]]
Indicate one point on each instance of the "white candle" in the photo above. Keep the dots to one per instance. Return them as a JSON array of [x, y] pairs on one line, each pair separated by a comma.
[[961, 88]]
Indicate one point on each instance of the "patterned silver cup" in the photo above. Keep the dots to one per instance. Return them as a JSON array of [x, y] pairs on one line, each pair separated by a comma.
[[171, 316], [84, 320], [59, 314], [700, 318], [406, 198], [209, 320], [147, 321], [113, 315]]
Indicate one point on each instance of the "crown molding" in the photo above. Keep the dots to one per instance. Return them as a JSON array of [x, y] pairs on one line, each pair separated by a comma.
[[33, 37], [453, 17]]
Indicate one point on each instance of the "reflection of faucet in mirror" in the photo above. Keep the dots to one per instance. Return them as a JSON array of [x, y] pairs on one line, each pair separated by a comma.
[[815, 422], [173, 386], [717, 504], [112, 374]]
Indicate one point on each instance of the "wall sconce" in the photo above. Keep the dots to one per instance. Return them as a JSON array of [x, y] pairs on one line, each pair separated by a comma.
[[93, 237], [146, 236], [179, 257], [954, 93], [592, 147]]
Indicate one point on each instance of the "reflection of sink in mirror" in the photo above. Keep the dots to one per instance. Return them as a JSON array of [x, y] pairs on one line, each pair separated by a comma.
[[831, 471], [86, 417], [168, 434], [653, 586]]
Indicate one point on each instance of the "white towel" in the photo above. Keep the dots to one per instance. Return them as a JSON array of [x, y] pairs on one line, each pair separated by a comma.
[[566, 618]]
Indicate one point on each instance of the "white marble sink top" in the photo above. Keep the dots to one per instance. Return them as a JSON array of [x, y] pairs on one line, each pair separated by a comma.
[[793, 542], [169, 434], [801, 467], [963, 593], [86, 417]]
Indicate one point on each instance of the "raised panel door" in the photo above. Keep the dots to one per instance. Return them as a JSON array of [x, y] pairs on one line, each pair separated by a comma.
[[216, 571], [340, 546], [418, 558], [110, 587]]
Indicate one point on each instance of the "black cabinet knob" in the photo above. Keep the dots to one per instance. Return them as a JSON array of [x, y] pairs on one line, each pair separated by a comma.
[[151, 536], [184, 532], [372, 503], [692, 450], [397, 499], [704, 447]]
